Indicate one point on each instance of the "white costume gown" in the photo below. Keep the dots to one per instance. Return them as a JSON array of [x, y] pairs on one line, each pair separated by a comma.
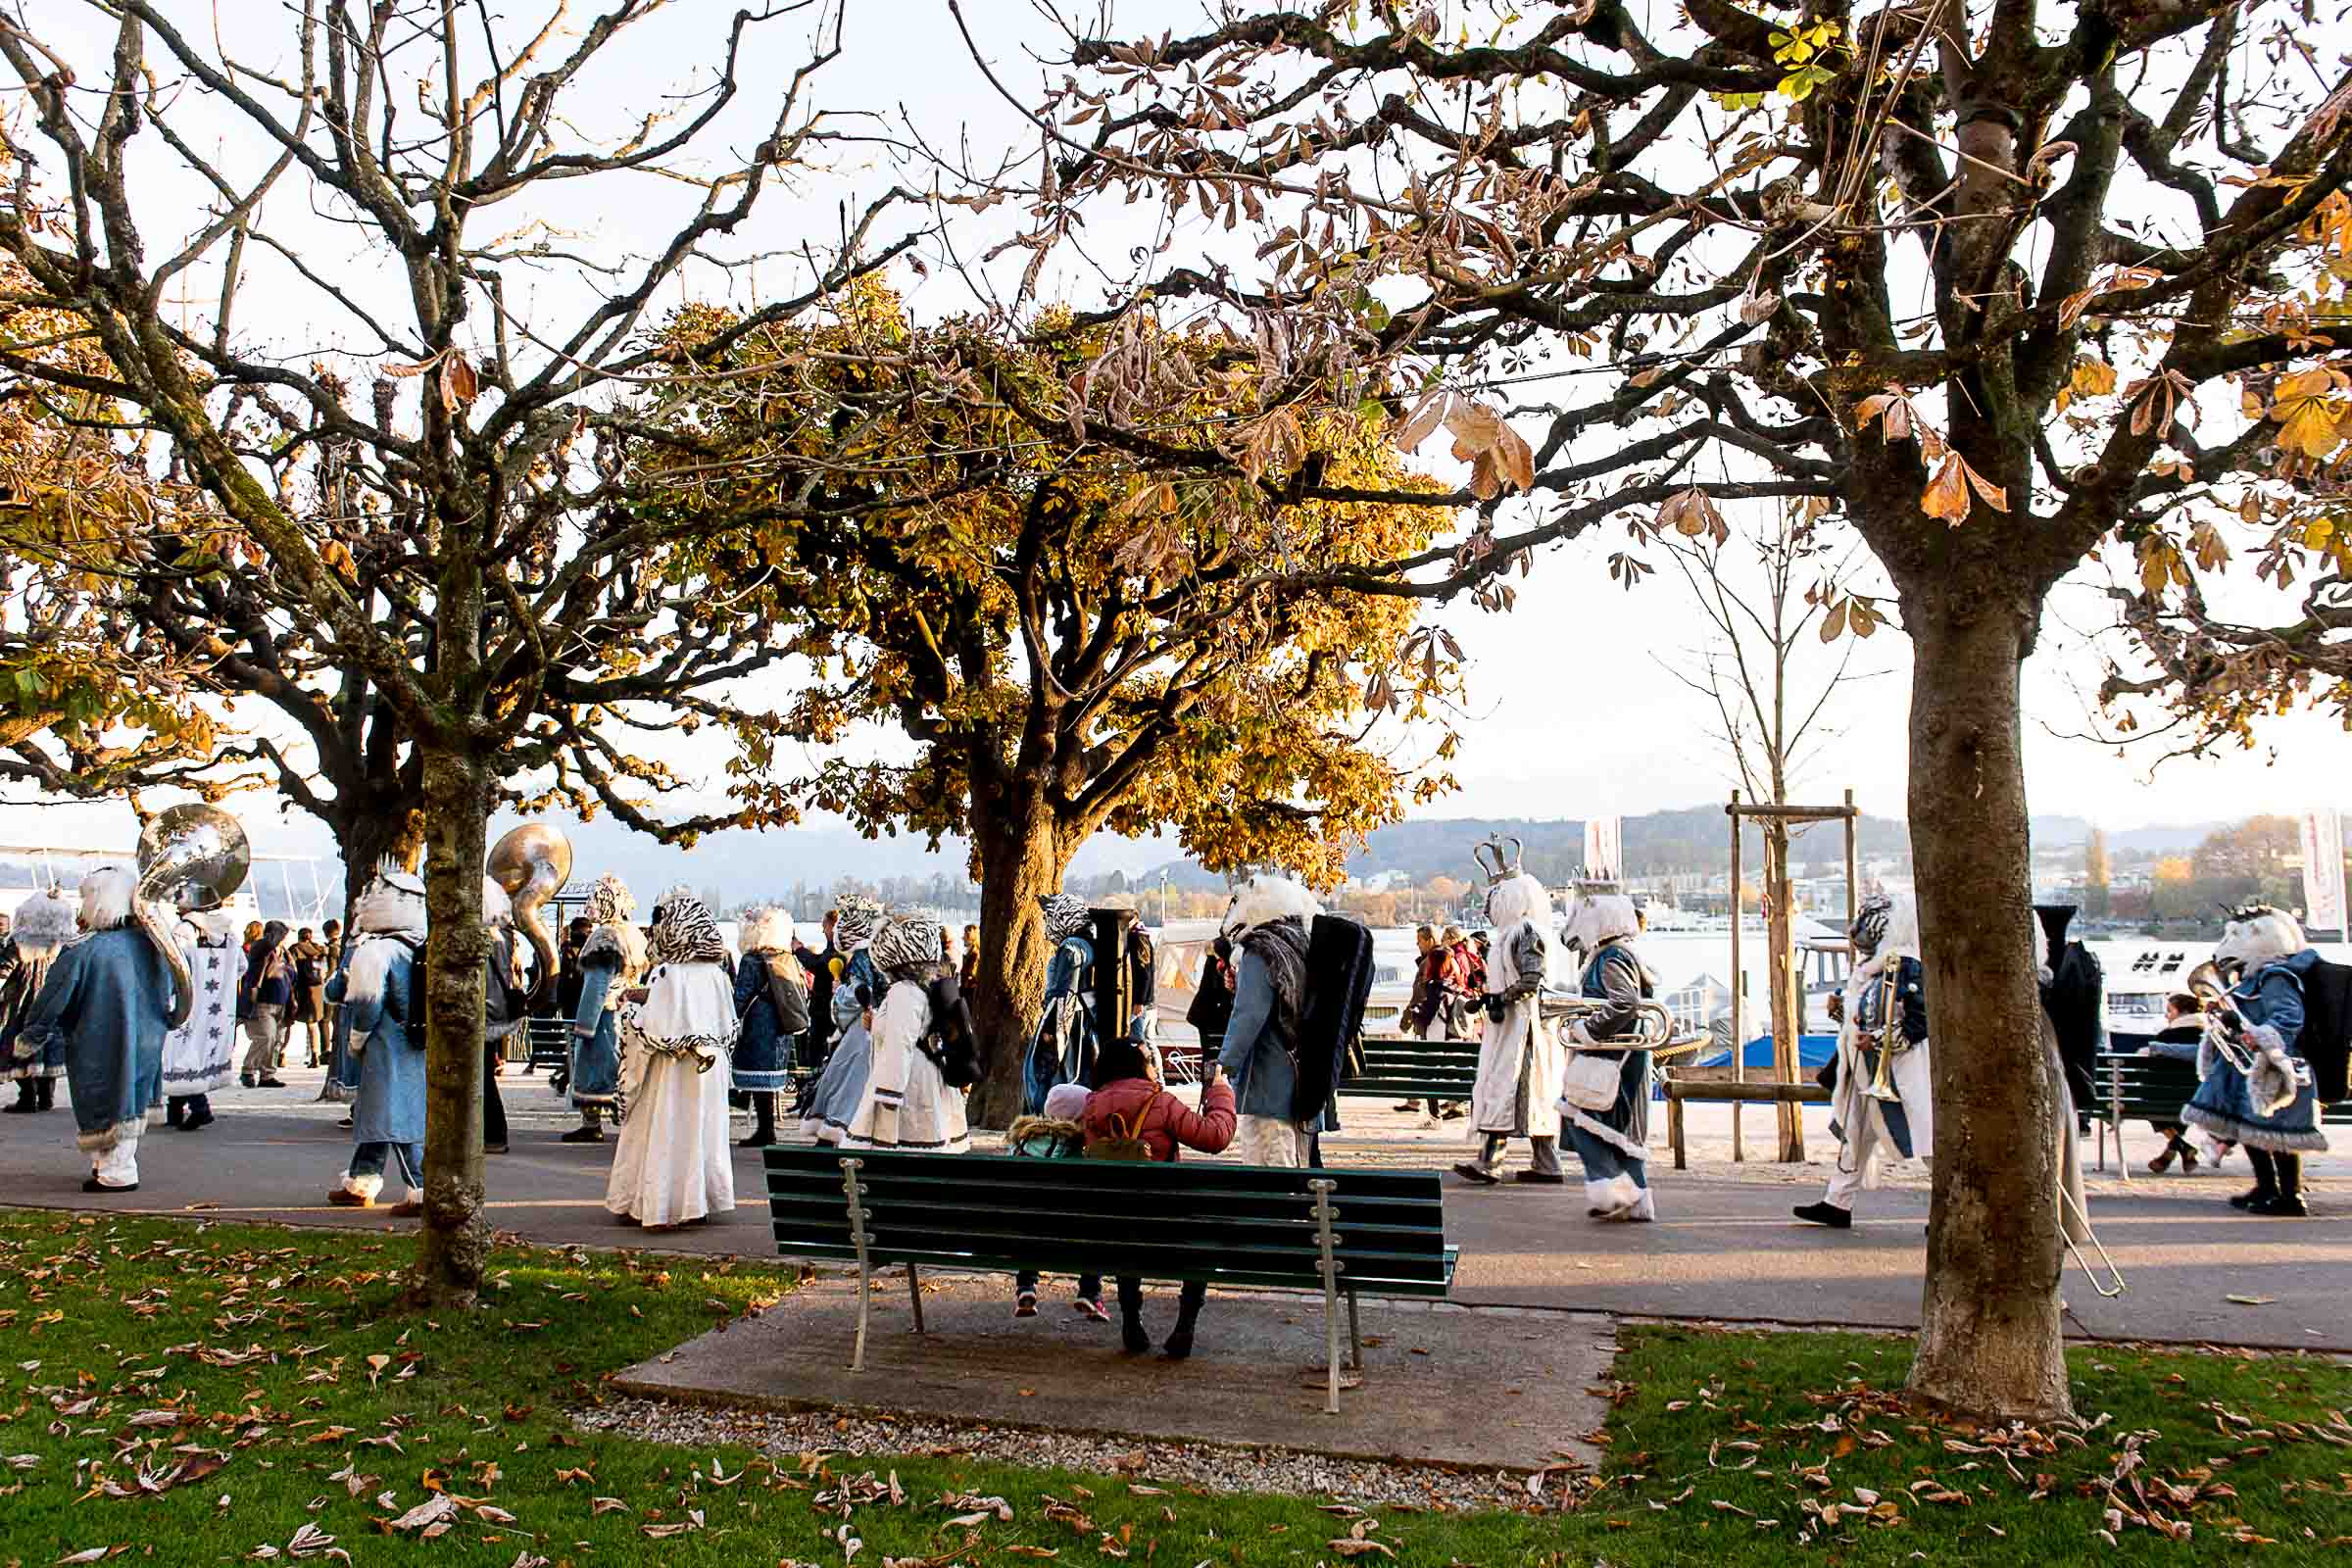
[[674, 1163], [1520, 1059], [907, 1104], [1868, 1142]]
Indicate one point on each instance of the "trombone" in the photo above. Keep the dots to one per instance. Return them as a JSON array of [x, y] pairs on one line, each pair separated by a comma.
[[1891, 1040]]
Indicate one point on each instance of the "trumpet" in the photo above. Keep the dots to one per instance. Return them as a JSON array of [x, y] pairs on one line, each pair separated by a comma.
[[1654, 1025], [1891, 1040]]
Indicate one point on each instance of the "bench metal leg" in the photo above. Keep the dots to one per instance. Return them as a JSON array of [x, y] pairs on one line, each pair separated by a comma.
[[865, 1276], [1355, 1338], [914, 1292], [2114, 1101], [1322, 1188]]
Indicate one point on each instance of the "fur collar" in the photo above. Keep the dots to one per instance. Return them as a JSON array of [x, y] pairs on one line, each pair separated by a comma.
[[768, 931], [617, 940], [1024, 1128], [43, 925], [1264, 900], [373, 961]]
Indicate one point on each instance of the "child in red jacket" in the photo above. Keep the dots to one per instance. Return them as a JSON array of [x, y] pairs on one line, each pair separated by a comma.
[[1132, 1104]]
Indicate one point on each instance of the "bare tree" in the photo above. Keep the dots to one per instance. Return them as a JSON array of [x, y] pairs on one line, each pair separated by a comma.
[[458, 554], [1771, 707]]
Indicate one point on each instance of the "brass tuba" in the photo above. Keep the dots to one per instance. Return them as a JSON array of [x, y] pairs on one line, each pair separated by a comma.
[[532, 862], [192, 857]]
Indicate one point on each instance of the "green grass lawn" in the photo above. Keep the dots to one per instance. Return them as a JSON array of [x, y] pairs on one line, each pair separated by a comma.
[[180, 1393]]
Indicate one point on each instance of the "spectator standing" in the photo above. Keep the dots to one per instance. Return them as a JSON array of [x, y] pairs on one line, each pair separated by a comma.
[[969, 976], [309, 1007], [268, 986], [1212, 1004], [818, 963]]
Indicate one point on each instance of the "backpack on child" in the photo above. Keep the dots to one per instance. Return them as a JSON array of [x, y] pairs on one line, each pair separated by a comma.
[[1126, 1139]]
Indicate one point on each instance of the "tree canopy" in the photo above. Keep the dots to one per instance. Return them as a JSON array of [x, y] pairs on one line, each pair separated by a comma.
[[1072, 635]]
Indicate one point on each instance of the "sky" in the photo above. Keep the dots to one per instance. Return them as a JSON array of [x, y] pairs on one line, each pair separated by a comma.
[[1573, 709]]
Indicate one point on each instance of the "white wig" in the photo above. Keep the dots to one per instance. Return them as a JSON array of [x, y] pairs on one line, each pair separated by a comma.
[[498, 909], [107, 897], [1264, 900], [2258, 935], [1598, 917], [1519, 899], [1901, 940], [43, 924], [767, 930]]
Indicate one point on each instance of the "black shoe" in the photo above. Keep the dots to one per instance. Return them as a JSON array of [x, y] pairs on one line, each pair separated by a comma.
[[2280, 1205], [1476, 1174], [756, 1138], [1133, 1340], [1541, 1178], [244, 1081], [345, 1123], [45, 1093], [1180, 1344], [1453, 1112], [2253, 1200], [268, 1083], [94, 1185], [28, 1100], [494, 1148], [1411, 1108], [1829, 1214], [584, 1135]]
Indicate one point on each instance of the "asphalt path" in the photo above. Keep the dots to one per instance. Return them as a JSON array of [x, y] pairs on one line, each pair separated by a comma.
[[1724, 1247]]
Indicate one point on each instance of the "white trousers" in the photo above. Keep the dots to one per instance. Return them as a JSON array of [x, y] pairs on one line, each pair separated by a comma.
[[1858, 1157], [117, 1167], [1271, 1140]]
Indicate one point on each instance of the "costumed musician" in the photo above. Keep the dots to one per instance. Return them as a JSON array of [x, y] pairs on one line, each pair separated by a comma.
[[1267, 923], [109, 998], [856, 989], [1520, 1059], [2257, 1084], [1604, 1094], [918, 1032], [380, 996], [44, 924], [1880, 1106], [674, 1164], [611, 961]]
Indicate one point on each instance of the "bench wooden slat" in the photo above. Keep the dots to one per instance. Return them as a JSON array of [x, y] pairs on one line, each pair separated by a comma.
[[1051, 1263], [1082, 1224]]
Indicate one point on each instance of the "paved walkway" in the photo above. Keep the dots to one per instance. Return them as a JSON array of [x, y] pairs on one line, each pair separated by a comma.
[[1725, 1247]]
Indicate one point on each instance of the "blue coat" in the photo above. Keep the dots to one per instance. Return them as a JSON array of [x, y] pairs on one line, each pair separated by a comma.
[[390, 1107], [2223, 1106], [763, 1052], [596, 1054], [1258, 1052], [109, 998]]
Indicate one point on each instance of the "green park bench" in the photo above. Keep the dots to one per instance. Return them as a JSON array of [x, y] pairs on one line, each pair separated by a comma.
[[1342, 1233], [1393, 1067], [545, 1041], [2132, 1086]]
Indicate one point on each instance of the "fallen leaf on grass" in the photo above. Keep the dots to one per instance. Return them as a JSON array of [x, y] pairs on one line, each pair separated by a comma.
[[436, 1509], [93, 1554], [1354, 1547], [2252, 1300]]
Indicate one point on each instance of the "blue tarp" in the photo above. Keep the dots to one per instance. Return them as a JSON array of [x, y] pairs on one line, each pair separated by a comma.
[[1812, 1050]]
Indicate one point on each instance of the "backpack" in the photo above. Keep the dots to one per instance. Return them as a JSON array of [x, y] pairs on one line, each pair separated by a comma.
[[1339, 980], [2326, 1039], [785, 991], [1127, 1141], [502, 998], [960, 1064]]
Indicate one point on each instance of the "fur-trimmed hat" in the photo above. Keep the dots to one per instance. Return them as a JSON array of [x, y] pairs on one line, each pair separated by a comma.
[[767, 930], [497, 907], [1065, 914], [43, 922], [393, 902], [1519, 899], [1265, 899], [1598, 917], [907, 942]]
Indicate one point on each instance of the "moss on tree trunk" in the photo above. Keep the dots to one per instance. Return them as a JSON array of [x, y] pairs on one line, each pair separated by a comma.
[[453, 1247]]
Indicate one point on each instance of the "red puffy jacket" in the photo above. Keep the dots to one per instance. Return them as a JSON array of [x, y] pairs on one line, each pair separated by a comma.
[[1168, 1125]]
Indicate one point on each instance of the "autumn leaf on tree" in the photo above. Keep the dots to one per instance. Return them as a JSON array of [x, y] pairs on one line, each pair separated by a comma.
[[2309, 414]]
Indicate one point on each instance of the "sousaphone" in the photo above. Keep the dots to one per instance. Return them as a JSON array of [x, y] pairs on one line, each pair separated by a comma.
[[532, 862], [192, 857]]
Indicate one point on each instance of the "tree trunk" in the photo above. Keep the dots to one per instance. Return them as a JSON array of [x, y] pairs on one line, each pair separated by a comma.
[[1989, 1342], [1020, 862], [453, 1248], [1787, 1018]]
